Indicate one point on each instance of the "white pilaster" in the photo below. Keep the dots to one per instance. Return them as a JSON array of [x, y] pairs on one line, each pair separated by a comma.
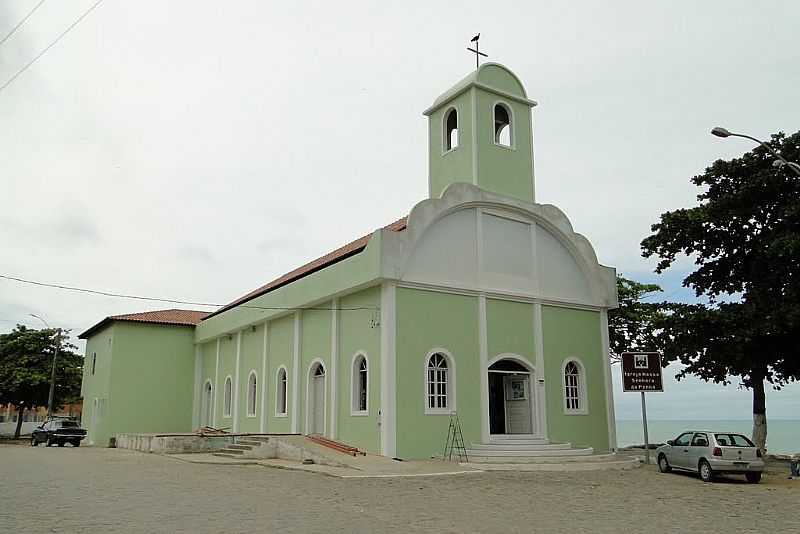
[[483, 340], [606, 358], [198, 376], [236, 382], [541, 385], [333, 371], [264, 381], [388, 371], [296, 372], [215, 393]]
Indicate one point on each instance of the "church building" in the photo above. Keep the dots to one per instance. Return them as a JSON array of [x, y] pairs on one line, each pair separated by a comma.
[[481, 302]]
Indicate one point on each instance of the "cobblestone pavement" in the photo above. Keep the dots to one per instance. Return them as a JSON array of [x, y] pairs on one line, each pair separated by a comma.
[[107, 490]]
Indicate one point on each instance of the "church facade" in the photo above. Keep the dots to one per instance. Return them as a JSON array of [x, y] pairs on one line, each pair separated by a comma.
[[480, 302]]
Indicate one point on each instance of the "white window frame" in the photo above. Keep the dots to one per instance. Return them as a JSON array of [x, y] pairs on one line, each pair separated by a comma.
[[252, 391], [285, 389], [355, 384], [227, 397], [511, 125], [207, 385], [445, 137], [450, 396], [583, 405]]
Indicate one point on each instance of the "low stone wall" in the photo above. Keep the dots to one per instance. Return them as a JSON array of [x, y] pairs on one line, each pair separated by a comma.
[[172, 443]]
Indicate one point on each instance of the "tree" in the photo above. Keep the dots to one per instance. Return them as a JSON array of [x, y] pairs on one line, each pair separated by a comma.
[[26, 359], [631, 327], [744, 237]]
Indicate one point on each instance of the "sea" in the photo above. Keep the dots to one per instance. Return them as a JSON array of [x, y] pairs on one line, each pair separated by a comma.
[[783, 435]]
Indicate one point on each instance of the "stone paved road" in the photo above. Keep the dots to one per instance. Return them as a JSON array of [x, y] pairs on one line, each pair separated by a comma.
[[106, 490]]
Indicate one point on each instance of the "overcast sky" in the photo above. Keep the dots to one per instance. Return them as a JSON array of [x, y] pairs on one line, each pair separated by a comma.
[[196, 150]]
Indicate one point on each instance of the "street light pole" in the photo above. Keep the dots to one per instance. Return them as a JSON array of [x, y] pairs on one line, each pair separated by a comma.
[[722, 132], [53, 369]]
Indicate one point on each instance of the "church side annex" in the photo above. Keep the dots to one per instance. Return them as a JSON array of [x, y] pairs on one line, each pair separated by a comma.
[[480, 302]]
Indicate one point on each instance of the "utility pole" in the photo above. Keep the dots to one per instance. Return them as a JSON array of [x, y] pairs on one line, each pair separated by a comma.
[[53, 369]]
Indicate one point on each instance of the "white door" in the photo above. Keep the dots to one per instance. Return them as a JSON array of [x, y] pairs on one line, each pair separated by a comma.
[[317, 418], [518, 404]]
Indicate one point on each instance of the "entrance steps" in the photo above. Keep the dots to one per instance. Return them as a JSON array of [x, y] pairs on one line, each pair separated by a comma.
[[513, 450], [242, 447]]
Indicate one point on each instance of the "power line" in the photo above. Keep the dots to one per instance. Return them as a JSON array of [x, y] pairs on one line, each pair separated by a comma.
[[48, 47], [20, 23], [173, 301]]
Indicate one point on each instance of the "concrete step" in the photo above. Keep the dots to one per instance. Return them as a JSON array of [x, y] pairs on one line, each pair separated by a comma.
[[494, 445], [529, 453], [226, 455], [239, 446], [228, 450], [249, 442], [581, 459]]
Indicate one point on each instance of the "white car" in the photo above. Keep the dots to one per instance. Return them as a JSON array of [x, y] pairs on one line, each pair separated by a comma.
[[709, 453]]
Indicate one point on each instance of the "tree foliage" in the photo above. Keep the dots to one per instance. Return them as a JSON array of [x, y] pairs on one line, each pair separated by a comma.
[[26, 359], [631, 327], [744, 238]]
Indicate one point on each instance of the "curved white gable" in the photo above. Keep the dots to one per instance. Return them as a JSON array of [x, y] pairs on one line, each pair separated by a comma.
[[474, 240]]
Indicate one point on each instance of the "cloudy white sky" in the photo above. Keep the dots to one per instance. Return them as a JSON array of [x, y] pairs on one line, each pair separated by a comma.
[[195, 150]]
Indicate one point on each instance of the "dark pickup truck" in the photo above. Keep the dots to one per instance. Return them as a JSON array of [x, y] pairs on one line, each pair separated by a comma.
[[58, 431]]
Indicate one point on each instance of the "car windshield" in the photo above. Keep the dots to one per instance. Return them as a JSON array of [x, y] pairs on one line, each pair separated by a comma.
[[733, 440], [67, 424]]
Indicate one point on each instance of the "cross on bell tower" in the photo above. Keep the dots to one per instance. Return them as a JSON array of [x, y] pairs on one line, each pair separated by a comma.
[[476, 50]]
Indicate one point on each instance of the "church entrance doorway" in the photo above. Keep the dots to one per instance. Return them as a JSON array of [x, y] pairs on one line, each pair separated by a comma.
[[510, 398], [316, 401], [206, 405]]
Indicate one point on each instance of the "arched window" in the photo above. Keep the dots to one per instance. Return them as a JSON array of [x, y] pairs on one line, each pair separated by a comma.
[[226, 398], [280, 393], [252, 388], [451, 130], [574, 388], [438, 384], [360, 383], [503, 133]]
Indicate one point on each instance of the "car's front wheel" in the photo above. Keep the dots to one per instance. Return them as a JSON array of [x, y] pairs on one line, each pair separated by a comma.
[[76, 443], [753, 477], [706, 473], [34, 442], [663, 464]]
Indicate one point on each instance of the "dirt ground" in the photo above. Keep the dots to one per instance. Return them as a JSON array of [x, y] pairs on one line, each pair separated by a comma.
[[108, 490]]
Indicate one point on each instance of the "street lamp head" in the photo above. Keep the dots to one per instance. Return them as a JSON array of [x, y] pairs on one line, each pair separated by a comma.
[[720, 132]]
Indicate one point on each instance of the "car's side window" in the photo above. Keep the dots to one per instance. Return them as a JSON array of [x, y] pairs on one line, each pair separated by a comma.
[[700, 440], [683, 439]]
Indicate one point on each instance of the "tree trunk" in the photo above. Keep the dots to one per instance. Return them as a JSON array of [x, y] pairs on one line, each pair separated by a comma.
[[20, 411], [759, 415]]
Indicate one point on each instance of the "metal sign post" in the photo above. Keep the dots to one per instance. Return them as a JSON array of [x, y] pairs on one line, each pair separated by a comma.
[[641, 371]]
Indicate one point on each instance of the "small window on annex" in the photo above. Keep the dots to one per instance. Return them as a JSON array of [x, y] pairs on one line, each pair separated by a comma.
[[280, 392], [360, 384], [451, 130], [226, 398], [252, 394], [502, 126]]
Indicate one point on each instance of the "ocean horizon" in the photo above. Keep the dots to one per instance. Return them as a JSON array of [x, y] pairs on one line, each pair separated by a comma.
[[783, 435]]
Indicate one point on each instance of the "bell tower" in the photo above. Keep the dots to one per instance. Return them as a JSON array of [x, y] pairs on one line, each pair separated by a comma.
[[479, 132]]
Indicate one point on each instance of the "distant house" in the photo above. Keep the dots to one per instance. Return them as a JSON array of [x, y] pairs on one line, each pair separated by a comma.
[[480, 302]]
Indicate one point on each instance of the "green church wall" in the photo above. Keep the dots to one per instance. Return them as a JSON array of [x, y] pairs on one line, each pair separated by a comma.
[[509, 329], [161, 358], [427, 320], [281, 350], [315, 344], [97, 385], [357, 334], [570, 333]]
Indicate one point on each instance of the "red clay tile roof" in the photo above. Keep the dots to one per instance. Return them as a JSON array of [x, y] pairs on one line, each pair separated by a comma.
[[341, 253], [168, 317]]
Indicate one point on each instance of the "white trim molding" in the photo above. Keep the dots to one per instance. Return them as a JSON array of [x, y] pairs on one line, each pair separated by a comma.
[[450, 395], [606, 359], [388, 380], [355, 383], [198, 378], [540, 390], [264, 386], [238, 383], [296, 372], [334, 370], [284, 413], [483, 339], [216, 387], [583, 406]]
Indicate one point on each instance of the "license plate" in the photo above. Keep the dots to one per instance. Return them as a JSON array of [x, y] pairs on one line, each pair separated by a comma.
[[741, 463]]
